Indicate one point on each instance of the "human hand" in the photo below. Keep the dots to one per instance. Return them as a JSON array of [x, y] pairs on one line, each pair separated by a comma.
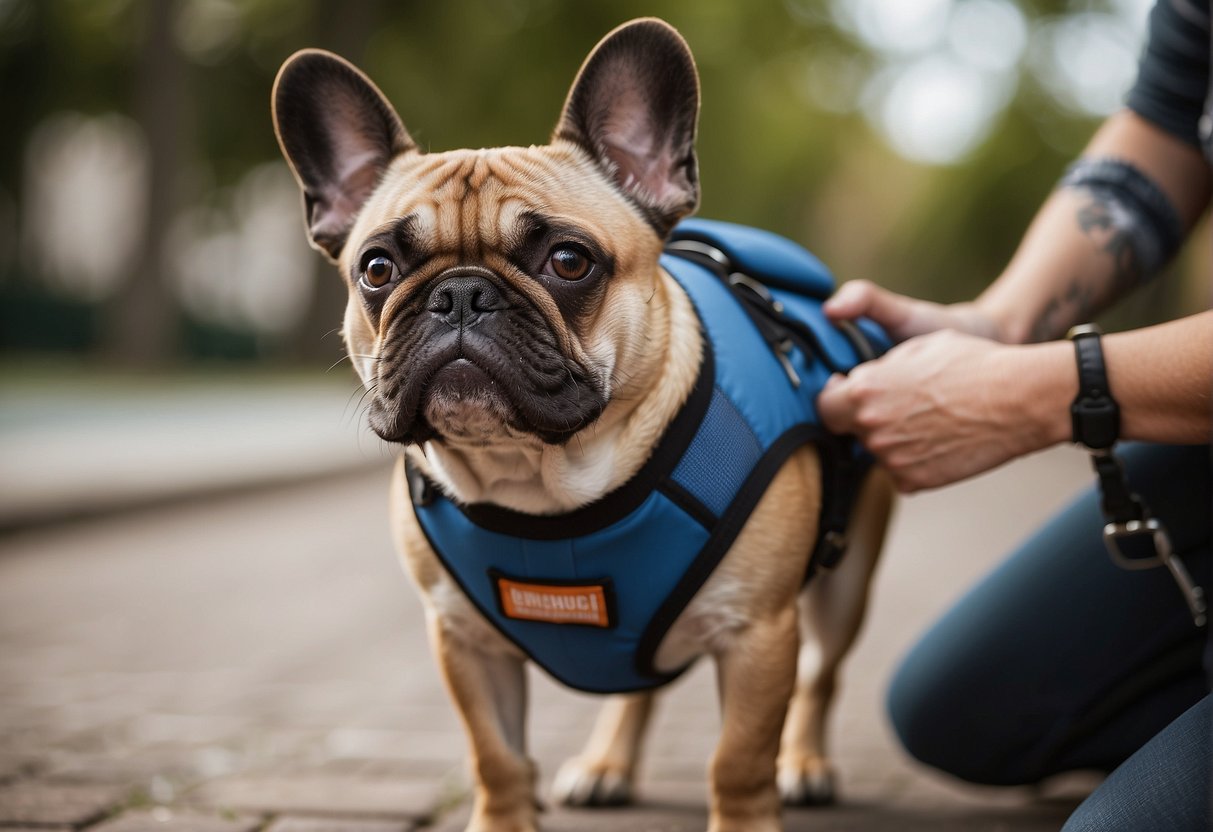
[[947, 406], [904, 317]]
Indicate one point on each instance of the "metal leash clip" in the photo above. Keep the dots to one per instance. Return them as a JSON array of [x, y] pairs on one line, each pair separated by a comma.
[[1159, 553]]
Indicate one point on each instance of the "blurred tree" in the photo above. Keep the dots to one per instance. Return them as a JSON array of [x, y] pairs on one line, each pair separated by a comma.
[[142, 320]]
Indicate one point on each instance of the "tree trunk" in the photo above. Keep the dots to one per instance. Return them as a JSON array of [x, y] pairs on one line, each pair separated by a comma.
[[142, 322]]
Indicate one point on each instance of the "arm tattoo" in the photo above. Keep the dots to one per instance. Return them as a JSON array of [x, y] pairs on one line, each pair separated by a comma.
[[1073, 304], [1101, 221]]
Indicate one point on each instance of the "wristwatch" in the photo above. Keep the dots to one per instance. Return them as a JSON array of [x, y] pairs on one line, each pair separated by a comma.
[[1134, 538], [1094, 414]]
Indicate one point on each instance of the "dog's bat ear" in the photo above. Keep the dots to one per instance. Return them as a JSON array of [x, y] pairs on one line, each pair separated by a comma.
[[634, 107], [338, 133]]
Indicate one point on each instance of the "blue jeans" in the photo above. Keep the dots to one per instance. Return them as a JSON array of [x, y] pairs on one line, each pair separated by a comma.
[[1059, 660]]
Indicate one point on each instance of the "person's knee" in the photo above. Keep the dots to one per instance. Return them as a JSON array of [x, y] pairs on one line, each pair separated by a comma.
[[950, 726]]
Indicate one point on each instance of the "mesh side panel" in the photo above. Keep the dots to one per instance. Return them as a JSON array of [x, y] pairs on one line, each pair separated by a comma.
[[720, 457]]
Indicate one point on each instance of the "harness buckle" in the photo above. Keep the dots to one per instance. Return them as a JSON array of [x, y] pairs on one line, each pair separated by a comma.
[[703, 249], [758, 288], [782, 352], [833, 546]]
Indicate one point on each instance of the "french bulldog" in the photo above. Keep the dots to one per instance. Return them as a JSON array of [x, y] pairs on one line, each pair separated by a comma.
[[518, 337]]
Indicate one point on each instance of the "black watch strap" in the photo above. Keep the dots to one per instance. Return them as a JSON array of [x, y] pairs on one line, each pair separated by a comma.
[[1134, 538], [1095, 420], [1094, 415]]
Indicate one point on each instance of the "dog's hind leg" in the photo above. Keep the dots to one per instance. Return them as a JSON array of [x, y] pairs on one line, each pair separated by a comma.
[[603, 774], [831, 611]]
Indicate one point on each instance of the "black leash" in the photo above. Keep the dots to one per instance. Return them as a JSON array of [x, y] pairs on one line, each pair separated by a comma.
[[1134, 538]]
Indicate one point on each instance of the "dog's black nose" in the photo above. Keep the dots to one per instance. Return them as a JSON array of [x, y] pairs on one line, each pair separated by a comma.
[[463, 299]]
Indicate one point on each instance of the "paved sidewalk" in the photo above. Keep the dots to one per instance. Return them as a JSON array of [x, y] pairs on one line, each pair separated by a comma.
[[258, 662]]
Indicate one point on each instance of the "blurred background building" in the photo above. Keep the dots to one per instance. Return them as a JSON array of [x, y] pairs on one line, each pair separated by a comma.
[[147, 219]]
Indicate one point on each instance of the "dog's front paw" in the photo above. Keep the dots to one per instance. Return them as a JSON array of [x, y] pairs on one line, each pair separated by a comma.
[[581, 782], [805, 781]]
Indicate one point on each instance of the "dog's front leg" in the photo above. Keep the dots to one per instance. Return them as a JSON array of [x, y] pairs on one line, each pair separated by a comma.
[[756, 675], [489, 689]]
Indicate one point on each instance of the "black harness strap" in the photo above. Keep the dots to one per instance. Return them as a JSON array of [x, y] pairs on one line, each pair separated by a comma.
[[842, 475], [842, 468]]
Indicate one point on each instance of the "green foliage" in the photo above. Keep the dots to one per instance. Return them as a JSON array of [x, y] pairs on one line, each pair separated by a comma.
[[493, 72]]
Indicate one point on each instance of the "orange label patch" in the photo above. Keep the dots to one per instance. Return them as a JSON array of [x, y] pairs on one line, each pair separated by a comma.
[[585, 604]]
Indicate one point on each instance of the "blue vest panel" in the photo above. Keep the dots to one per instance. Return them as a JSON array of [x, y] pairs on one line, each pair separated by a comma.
[[648, 547]]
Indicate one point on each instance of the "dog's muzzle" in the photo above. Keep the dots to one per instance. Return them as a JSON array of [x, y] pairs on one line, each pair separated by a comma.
[[473, 352]]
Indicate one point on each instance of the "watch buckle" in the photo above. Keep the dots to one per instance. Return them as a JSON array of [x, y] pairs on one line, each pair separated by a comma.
[[1083, 329]]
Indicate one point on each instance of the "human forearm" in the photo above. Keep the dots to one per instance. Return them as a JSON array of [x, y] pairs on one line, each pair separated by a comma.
[[1077, 257], [946, 406], [1160, 376]]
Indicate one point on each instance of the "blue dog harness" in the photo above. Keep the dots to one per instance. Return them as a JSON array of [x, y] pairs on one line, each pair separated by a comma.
[[590, 594]]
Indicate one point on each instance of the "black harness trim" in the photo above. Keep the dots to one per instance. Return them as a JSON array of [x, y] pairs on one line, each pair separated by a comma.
[[689, 503], [723, 535]]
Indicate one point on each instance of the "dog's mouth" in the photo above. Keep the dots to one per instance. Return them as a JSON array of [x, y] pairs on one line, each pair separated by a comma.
[[464, 387], [463, 402], [458, 379]]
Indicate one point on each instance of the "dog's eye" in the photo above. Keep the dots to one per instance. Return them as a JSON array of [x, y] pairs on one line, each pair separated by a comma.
[[568, 262], [378, 272]]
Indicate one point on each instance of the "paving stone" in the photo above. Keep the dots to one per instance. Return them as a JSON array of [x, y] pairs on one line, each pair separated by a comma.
[[295, 823], [46, 802], [322, 795], [444, 745], [163, 819], [133, 768], [19, 764], [162, 727], [317, 764], [429, 769]]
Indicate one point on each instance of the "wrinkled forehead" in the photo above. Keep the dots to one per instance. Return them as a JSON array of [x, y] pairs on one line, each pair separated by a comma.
[[465, 200]]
